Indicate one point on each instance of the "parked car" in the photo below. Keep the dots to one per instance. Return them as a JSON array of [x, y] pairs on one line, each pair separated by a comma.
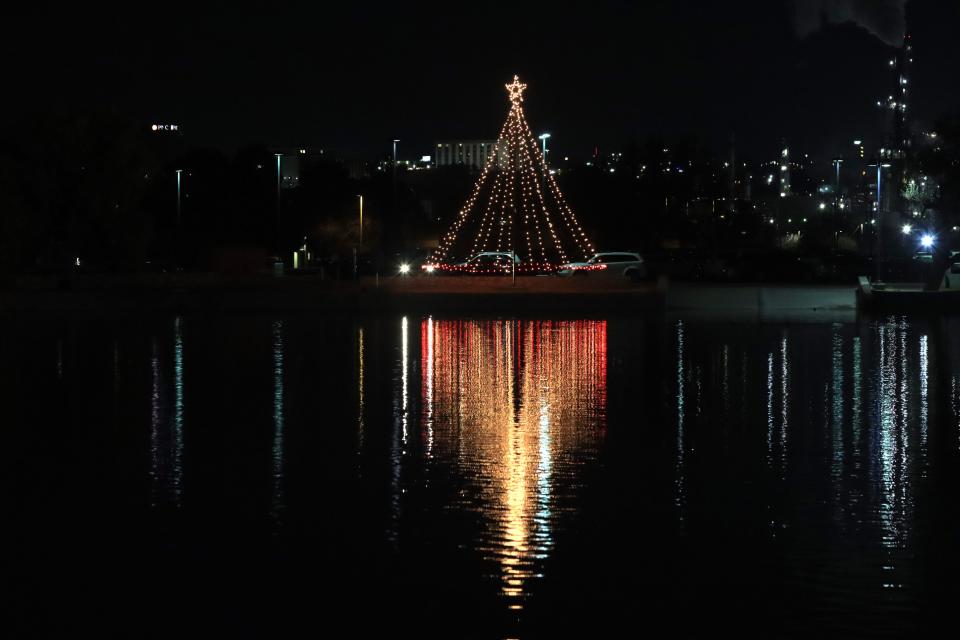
[[617, 264], [486, 263]]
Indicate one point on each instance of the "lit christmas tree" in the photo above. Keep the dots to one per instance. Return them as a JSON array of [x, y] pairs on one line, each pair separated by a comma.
[[515, 206]]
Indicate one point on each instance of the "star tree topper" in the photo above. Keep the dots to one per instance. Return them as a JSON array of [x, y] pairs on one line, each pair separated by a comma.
[[515, 89]]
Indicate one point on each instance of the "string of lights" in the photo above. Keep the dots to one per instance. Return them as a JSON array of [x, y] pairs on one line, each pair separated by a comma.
[[515, 205]]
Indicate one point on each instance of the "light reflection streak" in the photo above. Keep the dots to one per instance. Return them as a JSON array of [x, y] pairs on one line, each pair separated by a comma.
[[398, 448], [361, 388], [278, 421], [178, 409], [166, 432], [924, 402], [155, 453], [516, 407], [836, 403], [894, 503], [679, 500], [857, 398], [955, 405], [427, 368], [770, 408], [404, 359], [784, 394]]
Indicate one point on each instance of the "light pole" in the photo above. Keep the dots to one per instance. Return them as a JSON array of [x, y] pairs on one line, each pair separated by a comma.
[[543, 138], [879, 239], [836, 164], [360, 243], [356, 250], [179, 171], [279, 243], [836, 204], [395, 141]]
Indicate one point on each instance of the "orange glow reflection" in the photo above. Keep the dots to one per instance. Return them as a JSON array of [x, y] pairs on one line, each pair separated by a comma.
[[517, 407]]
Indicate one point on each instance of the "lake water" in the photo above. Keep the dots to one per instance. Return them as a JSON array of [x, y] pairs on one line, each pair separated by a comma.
[[479, 477]]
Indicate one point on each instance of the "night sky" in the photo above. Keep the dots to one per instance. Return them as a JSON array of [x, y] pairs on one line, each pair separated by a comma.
[[599, 73]]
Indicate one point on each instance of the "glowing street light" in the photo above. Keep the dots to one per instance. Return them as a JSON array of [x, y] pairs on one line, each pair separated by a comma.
[[906, 229], [404, 268], [926, 241]]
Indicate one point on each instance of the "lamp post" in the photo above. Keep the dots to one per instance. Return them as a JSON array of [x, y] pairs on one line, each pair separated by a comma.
[[179, 172], [543, 138], [279, 243], [394, 167], [879, 239], [356, 250], [836, 203]]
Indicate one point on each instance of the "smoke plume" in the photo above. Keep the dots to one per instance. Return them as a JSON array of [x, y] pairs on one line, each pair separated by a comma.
[[886, 19]]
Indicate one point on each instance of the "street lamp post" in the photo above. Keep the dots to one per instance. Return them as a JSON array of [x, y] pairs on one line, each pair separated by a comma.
[[394, 167], [836, 204], [356, 250], [179, 171], [879, 239], [178, 248], [360, 243], [543, 138], [279, 235]]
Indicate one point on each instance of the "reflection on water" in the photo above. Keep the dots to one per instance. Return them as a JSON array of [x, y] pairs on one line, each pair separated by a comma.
[[361, 387], [515, 408], [277, 497], [166, 426], [805, 470], [681, 408]]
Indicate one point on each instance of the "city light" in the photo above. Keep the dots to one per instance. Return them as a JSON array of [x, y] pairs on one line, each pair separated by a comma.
[[926, 241], [906, 229], [404, 268]]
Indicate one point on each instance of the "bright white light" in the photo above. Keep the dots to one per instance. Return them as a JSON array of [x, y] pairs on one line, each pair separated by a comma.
[[926, 241], [906, 229], [430, 268], [404, 268], [823, 206]]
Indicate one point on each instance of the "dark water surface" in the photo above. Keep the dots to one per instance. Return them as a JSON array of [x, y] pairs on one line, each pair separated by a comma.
[[258, 475]]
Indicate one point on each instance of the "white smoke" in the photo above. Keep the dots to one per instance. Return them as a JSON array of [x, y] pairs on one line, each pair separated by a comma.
[[886, 19]]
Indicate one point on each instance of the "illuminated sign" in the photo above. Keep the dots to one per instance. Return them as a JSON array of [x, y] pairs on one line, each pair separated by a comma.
[[165, 127]]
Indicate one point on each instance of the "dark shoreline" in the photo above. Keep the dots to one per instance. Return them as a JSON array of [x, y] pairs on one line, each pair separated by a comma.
[[218, 293]]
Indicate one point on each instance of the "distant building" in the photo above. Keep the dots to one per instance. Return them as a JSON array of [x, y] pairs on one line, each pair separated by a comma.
[[469, 153]]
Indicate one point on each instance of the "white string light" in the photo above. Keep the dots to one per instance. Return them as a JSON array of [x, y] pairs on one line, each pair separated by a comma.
[[521, 186]]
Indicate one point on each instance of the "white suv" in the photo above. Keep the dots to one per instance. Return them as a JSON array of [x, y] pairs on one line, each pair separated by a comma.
[[620, 264]]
